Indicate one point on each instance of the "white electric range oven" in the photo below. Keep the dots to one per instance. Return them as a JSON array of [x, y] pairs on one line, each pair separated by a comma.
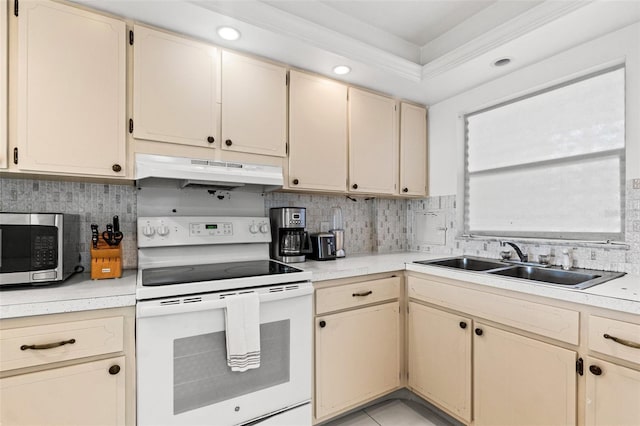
[[187, 267]]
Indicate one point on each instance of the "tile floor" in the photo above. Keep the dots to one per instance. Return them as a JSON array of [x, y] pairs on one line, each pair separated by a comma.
[[392, 413]]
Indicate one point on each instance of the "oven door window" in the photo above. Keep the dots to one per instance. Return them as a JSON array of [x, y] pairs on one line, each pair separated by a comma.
[[201, 376], [27, 248]]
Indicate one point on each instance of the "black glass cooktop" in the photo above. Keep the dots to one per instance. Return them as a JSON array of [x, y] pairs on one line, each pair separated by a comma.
[[213, 272]]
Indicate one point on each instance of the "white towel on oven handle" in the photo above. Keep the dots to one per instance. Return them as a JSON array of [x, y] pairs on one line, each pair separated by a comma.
[[242, 320]]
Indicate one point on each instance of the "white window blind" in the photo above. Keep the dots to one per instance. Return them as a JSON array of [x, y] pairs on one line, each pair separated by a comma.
[[551, 164]]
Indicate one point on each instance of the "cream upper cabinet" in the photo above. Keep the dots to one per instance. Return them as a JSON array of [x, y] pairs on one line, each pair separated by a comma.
[[413, 150], [175, 89], [439, 352], [71, 90], [521, 381], [3, 85], [373, 143], [254, 106], [613, 394], [317, 133], [357, 357]]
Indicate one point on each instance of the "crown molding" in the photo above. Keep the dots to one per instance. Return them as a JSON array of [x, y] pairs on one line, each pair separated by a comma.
[[279, 22], [522, 24]]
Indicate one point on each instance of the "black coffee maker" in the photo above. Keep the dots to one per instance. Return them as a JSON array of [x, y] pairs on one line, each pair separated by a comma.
[[289, 240]]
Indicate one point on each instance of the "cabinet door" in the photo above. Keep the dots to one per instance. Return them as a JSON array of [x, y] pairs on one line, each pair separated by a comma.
[[440, 358], [71, 90], [317, 133], [357, 357], [521, 381], [84, 394], [613, 394], [373, 143], [254, 106], [413, 150], [174, 89], [3, 85]]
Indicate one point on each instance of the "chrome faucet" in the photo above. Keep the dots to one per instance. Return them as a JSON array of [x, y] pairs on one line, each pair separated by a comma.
[[523, 257]]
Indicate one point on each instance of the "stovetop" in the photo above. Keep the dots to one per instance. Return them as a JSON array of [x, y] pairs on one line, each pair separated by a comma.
[[214, 272]]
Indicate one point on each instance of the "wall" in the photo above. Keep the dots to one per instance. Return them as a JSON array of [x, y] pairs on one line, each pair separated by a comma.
[[371, 225], [95, 203]]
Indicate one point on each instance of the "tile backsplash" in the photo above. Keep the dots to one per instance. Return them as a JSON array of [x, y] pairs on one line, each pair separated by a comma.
[[592, 257], [371, 225], [95, 203]]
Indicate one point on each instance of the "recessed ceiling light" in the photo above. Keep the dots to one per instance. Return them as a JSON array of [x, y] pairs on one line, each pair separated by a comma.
[[341, 69], [501, 62], [228, 33]]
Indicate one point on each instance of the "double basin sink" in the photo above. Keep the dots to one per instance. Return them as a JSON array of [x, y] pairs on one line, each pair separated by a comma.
[[577, 279]]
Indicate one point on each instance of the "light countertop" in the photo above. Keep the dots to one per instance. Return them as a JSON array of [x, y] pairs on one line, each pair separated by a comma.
[[81, 293], [621, 294], [78, 293]]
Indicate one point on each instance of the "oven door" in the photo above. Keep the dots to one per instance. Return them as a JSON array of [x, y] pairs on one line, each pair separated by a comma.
[[183, 377]]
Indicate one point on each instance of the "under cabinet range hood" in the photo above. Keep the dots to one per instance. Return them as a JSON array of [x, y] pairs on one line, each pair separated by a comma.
[[190, 172]]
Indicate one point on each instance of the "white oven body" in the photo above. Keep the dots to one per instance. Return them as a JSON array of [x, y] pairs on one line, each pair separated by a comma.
[[183, 377]]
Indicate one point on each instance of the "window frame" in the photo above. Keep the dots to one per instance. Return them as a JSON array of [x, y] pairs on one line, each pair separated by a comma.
[[575, 236]]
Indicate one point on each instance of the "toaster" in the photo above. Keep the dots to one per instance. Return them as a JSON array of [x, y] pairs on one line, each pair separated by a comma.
[[323, 246]]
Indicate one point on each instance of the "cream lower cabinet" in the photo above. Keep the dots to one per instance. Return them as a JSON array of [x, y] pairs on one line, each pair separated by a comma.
[[521, 381], [71, 77], [613, 394], [317, 133], [439, 353], [68, 369], [357, 344], [91, 393]]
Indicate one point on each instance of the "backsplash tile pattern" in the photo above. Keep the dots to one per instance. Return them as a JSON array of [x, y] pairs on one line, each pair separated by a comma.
[[593, 257], [95, 203], [371, 225]]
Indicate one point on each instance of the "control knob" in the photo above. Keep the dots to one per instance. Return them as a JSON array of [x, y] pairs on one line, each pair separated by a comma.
[[163, 230], [253, 228], [148, 231], [264, 228]]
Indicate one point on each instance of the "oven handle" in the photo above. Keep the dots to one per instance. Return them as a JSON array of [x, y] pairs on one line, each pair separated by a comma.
[[154, 308]]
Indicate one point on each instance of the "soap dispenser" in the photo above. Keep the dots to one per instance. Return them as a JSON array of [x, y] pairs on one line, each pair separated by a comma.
[[567, 261]]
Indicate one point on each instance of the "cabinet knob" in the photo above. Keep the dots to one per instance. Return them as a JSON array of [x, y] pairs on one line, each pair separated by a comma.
[[354, 186], [114, 369], [296, 181], [116, 168], [322, 324], [478, 331], [405, 189], [595, 370], [211, 139], [463, 324], [228, 142]]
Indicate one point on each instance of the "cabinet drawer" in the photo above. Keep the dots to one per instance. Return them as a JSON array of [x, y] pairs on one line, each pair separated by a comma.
[[84, 338], [628, 332], [357, 294], [556, 323]]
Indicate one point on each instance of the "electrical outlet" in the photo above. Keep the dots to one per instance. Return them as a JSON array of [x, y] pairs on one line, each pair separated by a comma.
[[593, 255], [636, 184]]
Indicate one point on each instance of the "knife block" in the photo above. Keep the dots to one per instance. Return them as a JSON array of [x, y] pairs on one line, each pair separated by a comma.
[[106, 261]]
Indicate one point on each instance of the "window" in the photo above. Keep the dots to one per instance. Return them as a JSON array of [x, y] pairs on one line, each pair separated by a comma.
[[550, 164]]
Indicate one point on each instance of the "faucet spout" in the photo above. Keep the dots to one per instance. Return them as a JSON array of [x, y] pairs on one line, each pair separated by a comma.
[[523, 257]]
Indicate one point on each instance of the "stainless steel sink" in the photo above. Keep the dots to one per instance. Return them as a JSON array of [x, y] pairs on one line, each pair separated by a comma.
[[578, 279], [467, 263]]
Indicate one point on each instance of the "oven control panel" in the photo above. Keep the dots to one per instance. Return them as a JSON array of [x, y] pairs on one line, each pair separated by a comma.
[[194, 230]]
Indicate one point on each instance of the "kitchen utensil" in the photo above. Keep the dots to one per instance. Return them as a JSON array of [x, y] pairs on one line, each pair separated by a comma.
[[111, 237], [116, 224], [94, 235]]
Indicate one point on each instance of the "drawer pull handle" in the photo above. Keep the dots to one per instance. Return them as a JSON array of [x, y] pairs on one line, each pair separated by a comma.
[[623, 341], [366, 293], [48, 345]]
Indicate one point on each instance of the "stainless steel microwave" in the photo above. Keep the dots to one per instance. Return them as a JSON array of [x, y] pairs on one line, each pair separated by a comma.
[[38, 248]]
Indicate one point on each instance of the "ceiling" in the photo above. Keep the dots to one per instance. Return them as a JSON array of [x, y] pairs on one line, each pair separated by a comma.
[[421, 50]]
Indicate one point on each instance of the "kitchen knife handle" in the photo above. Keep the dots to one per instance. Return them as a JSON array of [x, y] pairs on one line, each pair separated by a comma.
[[116, 224]]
